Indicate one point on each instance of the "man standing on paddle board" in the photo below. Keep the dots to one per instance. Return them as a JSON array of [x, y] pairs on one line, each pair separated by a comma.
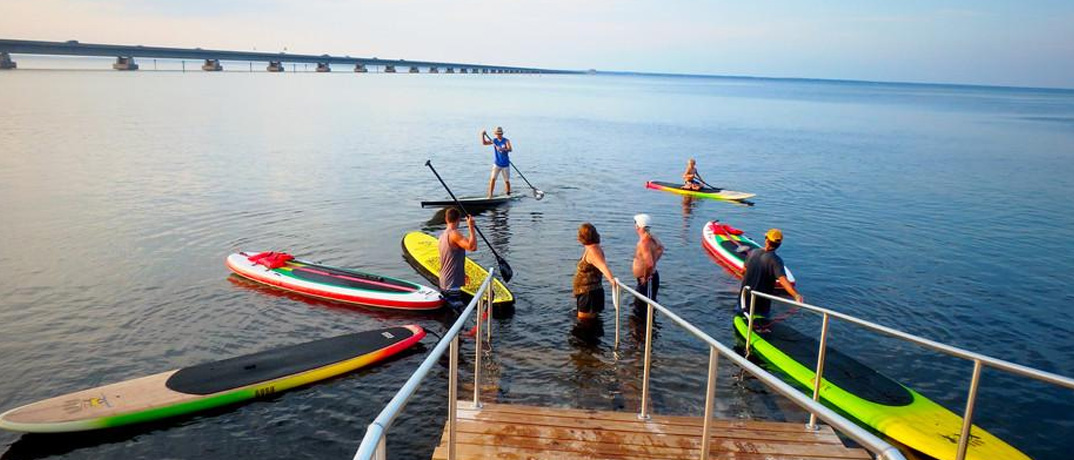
[[763, 270], [501, 148], [453, 247], [646, 254]]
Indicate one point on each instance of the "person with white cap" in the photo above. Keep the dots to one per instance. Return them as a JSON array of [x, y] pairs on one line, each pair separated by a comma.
[[646, 255], [764, 269], [501, 148]]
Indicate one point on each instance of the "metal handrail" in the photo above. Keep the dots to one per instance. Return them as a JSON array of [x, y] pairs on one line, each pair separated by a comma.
[[941, 347], [871, 442], [978, 359], [374, 445]]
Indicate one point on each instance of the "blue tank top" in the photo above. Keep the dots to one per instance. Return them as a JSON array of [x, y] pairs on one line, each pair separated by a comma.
[[499, 147]]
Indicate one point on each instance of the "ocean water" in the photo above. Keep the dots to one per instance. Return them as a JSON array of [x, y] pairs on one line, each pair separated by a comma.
[[943, 211]]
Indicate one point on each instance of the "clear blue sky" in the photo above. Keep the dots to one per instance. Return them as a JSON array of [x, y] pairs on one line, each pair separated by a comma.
[[1020, 43]]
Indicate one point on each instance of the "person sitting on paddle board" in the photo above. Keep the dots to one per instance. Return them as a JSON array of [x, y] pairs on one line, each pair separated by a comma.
[[646, 254], [587, 287], [453, 247], [690, 177], [501, 147], [763, 270]]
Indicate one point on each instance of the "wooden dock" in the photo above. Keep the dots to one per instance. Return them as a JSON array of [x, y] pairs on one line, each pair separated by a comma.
[[504, 431]]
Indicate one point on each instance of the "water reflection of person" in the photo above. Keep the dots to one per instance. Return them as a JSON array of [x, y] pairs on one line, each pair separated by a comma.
[[636, 323], [587, 333], [688, 203]]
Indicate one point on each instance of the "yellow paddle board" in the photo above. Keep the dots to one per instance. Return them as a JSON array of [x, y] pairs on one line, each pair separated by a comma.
[[421, 251]]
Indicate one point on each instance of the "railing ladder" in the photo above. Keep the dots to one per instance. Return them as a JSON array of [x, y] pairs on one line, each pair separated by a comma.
[[967, 418], [710, 399]]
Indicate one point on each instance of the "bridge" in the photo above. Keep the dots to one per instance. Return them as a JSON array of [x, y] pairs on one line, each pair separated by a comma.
[[126, 56]]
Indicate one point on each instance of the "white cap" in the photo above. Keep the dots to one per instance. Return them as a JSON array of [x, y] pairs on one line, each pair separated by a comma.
[[643, 220]]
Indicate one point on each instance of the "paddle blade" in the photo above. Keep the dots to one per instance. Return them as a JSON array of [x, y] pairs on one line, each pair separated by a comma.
[[506, 273], [538, 194]]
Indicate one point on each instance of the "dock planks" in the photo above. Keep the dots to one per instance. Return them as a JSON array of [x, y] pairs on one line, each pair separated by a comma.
[[506, 431]]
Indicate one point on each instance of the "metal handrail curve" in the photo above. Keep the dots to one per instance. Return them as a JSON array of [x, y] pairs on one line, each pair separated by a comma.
[[871, 442], [979, 360], [941, 347], [374, 442]]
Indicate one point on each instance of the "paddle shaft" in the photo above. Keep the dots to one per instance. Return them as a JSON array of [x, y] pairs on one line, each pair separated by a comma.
[[698, 176], [505, 269], [523, 177]]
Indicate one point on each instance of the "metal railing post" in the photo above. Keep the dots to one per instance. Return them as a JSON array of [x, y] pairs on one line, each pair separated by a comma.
[[967, 418], [453, 395], [490, 295], [616, 296], [819, 377], [749, 329], [710, 399], [477, 354], [644, 415], [382, 448]]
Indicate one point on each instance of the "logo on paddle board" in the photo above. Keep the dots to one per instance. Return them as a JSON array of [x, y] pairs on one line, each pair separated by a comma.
[[387, 335], [72, 406]]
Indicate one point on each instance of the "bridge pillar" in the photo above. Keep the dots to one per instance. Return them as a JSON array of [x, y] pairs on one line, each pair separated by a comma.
[[323, 67], [212, 65], [125, 63], [274, 66], [434, 70], [414, 69], [450, 70], [6, 63], [360, 68], [389, 69]]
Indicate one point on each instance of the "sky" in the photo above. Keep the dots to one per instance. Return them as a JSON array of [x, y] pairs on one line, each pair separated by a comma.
[[1010, 43]]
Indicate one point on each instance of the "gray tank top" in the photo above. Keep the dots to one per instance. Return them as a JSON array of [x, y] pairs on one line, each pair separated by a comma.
[[452, 264]]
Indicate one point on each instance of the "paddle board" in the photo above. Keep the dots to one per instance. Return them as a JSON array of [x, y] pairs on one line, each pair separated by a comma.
[[704, 192], [209, 385], [337, 283], [730, 246], [421, 250], [872, 398], [475, 202]]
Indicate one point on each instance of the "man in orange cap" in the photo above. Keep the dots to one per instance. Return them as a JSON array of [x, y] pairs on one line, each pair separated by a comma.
[[764, 269]]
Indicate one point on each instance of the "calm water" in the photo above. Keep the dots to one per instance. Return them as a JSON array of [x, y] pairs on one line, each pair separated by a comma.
[[943, 211]]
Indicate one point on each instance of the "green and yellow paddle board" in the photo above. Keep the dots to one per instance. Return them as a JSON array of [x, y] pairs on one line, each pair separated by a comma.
[[420, 249], [873, 399], [209, 385]]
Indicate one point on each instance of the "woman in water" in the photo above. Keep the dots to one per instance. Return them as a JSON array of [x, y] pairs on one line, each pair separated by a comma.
[[588, 290], [690, 177]]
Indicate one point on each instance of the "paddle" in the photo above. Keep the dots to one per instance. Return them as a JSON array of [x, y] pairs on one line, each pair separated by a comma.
[[505, 269], [536, 193], [698, 176]]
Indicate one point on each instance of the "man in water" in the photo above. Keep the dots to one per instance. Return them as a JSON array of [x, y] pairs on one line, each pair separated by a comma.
[[453, 247], [501, 147], [646, 254], [764, 269]]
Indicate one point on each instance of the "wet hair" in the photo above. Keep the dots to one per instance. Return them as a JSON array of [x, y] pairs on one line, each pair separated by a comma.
[[773, 244], [587, 234], [452, 215]]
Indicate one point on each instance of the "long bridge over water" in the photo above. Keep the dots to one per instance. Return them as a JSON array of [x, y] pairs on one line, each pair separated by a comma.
[[126, 56]]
